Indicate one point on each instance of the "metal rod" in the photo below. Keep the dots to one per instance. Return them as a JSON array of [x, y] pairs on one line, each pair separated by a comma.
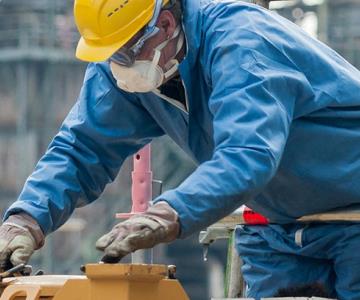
[[141, 191], [234, 282], [141, 194]]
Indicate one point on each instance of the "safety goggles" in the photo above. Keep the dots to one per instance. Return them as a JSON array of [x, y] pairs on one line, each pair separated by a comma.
[[126, 56]]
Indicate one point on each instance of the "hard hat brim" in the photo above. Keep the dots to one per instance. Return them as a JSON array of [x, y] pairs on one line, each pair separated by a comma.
[[95, 52]]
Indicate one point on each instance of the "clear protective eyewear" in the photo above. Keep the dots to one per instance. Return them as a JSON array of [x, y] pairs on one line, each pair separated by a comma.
[[126, 56]]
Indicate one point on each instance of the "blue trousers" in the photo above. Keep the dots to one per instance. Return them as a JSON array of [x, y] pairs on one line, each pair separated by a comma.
[[280, 256]]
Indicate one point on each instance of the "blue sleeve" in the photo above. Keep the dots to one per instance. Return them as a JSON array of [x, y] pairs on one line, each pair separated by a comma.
[[252, 101], [103, 128]]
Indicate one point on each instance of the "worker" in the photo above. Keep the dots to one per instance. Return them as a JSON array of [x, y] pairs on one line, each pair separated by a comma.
[[271, 115]]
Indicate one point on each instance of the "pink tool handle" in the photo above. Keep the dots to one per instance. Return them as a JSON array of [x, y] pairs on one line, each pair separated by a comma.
[[141, 190]]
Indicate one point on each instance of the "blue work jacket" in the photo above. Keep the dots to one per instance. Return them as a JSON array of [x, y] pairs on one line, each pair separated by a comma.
[[273, 121]]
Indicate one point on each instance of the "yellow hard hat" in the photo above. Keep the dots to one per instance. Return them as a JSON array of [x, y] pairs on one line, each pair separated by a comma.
[[106, 25]]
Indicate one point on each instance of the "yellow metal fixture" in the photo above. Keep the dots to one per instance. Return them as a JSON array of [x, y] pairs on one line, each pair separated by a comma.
[[101, 281]]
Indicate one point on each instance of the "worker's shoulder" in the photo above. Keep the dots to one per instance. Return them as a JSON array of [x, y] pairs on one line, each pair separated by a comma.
[[232, 14], [97, 68], [99, 74], [216, 8]]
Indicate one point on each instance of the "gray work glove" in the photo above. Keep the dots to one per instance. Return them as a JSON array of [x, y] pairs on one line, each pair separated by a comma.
[[20, 235], [159, 224]]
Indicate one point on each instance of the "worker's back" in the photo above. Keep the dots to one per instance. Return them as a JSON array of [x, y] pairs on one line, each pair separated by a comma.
[[320, 166], [319, 91]]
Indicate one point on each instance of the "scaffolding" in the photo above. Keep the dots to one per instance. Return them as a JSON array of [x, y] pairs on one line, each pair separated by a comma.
[[343, 28], [338, 24], [37, 30]]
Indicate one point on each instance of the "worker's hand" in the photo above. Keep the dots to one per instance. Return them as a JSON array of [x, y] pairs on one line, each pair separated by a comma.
[[20, 235], [158, 224]]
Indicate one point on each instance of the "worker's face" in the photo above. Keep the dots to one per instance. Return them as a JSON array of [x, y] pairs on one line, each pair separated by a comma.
[[140, 75]]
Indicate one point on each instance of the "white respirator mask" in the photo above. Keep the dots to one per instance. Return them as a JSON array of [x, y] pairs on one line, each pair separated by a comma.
[[145, 76]]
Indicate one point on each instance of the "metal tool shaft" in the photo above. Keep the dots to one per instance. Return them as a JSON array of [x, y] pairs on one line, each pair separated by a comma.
[[141, 194]]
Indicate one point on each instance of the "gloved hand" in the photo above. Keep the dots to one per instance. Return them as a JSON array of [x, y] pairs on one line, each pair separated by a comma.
[[20, 235], [158, 224]]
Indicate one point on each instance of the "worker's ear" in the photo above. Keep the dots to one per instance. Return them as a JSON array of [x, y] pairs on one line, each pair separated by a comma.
[[167, 23]]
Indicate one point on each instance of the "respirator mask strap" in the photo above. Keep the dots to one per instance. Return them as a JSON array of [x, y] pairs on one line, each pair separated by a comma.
[[175, 62]]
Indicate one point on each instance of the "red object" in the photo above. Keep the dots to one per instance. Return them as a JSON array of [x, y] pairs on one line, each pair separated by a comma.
[[141, 189], [253, 218]]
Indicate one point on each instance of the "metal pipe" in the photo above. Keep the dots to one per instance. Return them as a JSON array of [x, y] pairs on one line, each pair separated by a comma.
[[141, 191], [141, 188], [141, 195]]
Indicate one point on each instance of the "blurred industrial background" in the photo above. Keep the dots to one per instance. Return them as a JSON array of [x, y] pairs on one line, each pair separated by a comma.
[[39, 82]]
